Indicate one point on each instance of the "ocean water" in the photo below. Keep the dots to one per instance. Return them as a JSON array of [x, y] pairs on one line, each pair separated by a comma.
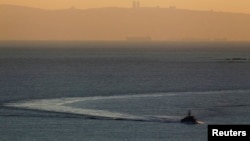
[[104, 91]]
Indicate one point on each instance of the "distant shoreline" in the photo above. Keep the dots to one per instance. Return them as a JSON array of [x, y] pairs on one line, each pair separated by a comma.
[[108, 24]]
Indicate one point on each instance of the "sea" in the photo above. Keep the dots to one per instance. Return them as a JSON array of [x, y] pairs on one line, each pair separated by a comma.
[[121, 91]]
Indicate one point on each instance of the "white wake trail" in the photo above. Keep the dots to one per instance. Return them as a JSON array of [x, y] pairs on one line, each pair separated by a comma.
[[61, 105]]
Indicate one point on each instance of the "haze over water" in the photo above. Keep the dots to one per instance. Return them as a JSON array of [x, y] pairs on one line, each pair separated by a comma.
[[136, 22], [240, 6]]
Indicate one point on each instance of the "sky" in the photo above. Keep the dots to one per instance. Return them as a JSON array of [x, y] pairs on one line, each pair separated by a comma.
[[239, 6]]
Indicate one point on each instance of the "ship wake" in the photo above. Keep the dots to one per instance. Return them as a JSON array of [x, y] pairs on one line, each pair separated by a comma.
[[66, 105], [63, 105]]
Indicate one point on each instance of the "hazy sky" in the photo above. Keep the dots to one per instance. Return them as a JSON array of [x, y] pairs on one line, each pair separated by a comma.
[[218, 5]]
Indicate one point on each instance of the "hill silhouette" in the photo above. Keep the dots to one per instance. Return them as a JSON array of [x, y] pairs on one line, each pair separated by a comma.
[[25, 23]]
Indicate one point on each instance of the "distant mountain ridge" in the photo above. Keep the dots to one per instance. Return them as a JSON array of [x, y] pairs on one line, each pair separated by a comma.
[[25, 23]]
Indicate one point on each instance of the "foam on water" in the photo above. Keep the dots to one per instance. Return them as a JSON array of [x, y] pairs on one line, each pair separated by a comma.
[[62, 105]]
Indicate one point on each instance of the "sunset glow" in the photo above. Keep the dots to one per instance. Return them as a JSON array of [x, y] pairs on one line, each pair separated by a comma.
[[168, 20], [241, 6]]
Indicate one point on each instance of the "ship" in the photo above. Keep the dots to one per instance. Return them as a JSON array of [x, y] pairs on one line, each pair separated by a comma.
[[189, 119]]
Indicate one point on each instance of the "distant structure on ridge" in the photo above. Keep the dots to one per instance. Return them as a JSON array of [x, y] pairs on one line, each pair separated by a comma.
[[136, 4]]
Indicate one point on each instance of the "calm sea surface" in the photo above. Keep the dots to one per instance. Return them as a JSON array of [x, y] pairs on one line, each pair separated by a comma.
[[145, 80]]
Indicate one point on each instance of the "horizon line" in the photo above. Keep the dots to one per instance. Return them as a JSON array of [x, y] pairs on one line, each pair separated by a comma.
[[141, 7]]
